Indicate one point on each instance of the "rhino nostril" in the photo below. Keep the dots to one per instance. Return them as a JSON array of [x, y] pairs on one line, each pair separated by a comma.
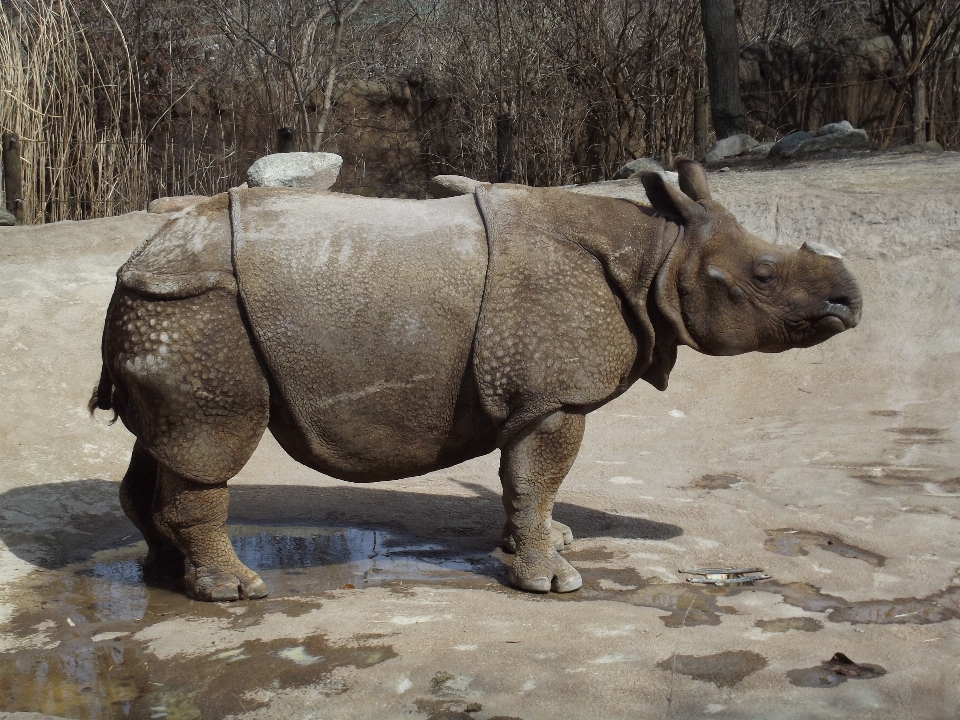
[[840, 300]]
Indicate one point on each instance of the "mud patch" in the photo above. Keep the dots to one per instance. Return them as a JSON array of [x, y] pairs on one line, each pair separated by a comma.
[[589, 555], [724, 669], [685, 605], [833, 672], [717, 482], [901, 476], [792, 543], [936, 608], [918, 435], [885, 413], [692, 605], [780, 625]]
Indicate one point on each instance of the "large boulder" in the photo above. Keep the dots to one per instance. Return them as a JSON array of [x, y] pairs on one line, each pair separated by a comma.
[[442, 186], [730, 147], [174, 204], [314, 170], [789, 143], [834, 136], [638, 166], [7, 218]]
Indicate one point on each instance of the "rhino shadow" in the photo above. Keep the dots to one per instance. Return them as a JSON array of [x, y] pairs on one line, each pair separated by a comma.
[[54, 525]]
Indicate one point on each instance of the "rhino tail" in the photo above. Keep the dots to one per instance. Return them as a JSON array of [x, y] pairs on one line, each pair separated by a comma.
[[102, 396]]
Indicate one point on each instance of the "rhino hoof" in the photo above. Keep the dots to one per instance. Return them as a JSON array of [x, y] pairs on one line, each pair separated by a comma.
[[213, 585], [563, 578]]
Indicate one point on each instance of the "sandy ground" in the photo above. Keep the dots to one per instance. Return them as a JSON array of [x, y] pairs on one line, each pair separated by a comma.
[[835, 469]]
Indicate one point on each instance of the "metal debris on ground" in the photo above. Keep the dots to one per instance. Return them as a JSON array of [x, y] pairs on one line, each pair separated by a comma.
[[724, 576]]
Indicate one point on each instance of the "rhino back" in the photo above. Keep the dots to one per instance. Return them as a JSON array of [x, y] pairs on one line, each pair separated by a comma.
[[365, 312]]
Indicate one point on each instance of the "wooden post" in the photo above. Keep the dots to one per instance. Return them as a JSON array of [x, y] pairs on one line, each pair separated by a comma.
[[504, 127], [701, 121], [285, 139], [12, 179]]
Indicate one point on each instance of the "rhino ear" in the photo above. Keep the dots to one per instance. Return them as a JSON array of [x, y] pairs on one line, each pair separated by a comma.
[[693, 179], [668, 201]]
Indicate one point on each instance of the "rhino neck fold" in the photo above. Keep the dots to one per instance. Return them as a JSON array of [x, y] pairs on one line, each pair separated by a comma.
[[666, 298]]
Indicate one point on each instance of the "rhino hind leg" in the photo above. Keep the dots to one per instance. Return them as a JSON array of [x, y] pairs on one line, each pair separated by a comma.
[[532, 467], [137, 492], [188, 383], [193, 516]]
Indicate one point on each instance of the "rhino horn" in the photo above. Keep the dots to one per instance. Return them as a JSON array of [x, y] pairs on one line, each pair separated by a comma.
[[819, 249]]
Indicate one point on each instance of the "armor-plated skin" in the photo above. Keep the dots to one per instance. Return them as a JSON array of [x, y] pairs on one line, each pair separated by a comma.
[[380, 339]]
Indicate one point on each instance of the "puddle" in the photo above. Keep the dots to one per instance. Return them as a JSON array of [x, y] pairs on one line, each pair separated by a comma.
[[717, 482], [81, 658], [780, 625], [724, 669], [833, 672], [791, 542]]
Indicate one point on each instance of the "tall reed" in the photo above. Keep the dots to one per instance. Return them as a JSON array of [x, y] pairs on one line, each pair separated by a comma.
[[77, 114]]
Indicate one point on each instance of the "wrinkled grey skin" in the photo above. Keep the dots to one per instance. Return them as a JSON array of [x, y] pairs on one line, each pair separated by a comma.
[[380, 339]]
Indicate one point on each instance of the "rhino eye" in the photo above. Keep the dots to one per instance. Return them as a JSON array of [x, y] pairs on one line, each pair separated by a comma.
[[764, 279]]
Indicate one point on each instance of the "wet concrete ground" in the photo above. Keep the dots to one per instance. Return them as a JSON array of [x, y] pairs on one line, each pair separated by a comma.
[[835, 469]]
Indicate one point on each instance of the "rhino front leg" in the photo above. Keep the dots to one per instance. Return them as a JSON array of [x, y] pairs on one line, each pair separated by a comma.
[[561, 535], [194, 517], [531, 469]]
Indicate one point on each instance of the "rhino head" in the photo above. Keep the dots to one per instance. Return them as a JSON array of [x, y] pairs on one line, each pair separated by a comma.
[[726, 291]]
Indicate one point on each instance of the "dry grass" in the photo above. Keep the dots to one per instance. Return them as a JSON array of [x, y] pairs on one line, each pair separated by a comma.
[[76, 114]]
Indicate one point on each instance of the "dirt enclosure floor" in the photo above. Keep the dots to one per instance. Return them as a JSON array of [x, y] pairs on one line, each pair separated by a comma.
[[835, 469]]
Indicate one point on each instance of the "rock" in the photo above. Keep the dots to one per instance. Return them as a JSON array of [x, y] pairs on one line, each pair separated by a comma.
[[835, 136], [442, 186], [834, 128], [174, 204], [929, 146], [638, 166], [7, 218], [729, 147], [789, 143], [763, 149], [297, 169]]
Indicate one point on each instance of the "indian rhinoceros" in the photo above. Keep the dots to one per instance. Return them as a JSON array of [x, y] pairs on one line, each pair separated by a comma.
[[379, 339]]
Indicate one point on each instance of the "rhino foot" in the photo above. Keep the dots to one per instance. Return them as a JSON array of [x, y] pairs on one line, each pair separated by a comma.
[[212, 584], [561, 536], [164, 562], [534, 573]]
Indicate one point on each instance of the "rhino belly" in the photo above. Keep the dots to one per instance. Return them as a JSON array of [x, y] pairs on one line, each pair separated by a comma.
[[364, 311]]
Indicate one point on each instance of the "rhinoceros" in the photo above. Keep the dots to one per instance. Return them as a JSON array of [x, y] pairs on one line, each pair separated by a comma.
[[379, 339]]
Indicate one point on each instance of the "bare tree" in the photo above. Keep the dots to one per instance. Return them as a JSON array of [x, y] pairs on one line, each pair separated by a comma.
[[723, 63], [303, 39], [917, 29]]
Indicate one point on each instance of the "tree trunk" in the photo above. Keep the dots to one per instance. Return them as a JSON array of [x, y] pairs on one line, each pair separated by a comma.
[[723, 67], [504, 127], [920, 106]]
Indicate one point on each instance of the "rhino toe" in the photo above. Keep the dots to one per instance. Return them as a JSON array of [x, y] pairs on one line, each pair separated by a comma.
[[215, 585]]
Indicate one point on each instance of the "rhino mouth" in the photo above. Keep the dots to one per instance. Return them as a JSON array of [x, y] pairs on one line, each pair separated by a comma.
[[835, 316]]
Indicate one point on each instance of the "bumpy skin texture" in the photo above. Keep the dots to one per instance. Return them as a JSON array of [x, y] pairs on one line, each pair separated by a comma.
[[384, 338]]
